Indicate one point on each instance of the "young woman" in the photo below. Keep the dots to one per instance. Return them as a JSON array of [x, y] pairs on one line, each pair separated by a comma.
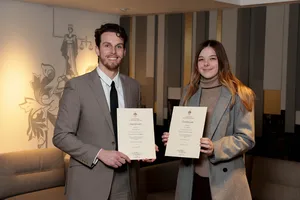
[[219, 173]]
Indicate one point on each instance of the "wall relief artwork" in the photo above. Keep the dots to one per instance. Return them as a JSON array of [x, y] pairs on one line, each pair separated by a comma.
[[42, 108]]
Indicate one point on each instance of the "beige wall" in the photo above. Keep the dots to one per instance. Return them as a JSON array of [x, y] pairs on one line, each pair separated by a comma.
[[27, 41]]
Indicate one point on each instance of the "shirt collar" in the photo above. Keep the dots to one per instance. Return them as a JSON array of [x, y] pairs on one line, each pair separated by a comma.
[[108, 80]]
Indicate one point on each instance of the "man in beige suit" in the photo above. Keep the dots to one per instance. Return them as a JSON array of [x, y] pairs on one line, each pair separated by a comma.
[[86, 125]]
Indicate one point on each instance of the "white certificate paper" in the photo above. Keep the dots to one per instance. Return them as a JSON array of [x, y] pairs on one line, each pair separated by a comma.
[[136, 133], [186, 129]]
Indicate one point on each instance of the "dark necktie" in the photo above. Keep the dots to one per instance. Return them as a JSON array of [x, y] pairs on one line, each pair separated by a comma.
[[113, 109]]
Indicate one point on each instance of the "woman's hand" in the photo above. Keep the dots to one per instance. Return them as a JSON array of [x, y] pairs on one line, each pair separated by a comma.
[[207, 146], [165, 138]]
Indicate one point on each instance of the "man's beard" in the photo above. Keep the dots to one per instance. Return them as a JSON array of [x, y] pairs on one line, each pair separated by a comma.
[[109, 65]]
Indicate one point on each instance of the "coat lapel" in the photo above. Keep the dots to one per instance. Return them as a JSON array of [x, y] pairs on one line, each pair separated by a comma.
[[195, 99], [222, 104], [126, 91], [219, 110], [97, 88]]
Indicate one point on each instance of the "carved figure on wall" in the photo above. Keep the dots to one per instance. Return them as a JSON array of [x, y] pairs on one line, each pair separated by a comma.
[[69, 50]]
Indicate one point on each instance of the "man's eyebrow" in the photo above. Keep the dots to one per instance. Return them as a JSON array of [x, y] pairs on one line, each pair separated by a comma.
[[111, 44]]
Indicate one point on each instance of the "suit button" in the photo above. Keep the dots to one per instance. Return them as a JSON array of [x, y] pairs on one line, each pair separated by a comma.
[[113, 142], [225, 169]]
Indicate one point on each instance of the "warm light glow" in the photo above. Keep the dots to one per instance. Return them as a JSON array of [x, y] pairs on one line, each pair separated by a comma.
[[17, 63], [86, 61], [17, 66], [14, 86], [34, 68]]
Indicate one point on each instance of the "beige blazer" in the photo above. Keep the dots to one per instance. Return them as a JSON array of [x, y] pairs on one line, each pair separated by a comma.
[[232, 133], [83, 126]]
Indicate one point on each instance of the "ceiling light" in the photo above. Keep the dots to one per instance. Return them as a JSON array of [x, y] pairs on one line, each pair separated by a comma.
[[253, 2], [124, 9]]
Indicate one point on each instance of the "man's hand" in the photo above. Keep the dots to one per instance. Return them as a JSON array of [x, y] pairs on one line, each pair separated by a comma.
[[113, 159]]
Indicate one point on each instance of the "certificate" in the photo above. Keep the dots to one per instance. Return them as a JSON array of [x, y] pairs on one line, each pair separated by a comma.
[[136, 133], [186, 129]]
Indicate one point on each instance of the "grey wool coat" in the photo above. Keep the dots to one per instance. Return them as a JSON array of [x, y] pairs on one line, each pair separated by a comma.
[[232, 133]]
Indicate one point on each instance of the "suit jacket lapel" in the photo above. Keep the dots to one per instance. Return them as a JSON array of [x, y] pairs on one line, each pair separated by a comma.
[[126, 91], [222, 104], [97, 88]]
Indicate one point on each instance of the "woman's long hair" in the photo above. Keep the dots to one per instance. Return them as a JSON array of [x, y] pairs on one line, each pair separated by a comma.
[[225, 75]]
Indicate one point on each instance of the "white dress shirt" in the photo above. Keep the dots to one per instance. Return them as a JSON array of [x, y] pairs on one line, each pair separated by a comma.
[[106, 84]]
